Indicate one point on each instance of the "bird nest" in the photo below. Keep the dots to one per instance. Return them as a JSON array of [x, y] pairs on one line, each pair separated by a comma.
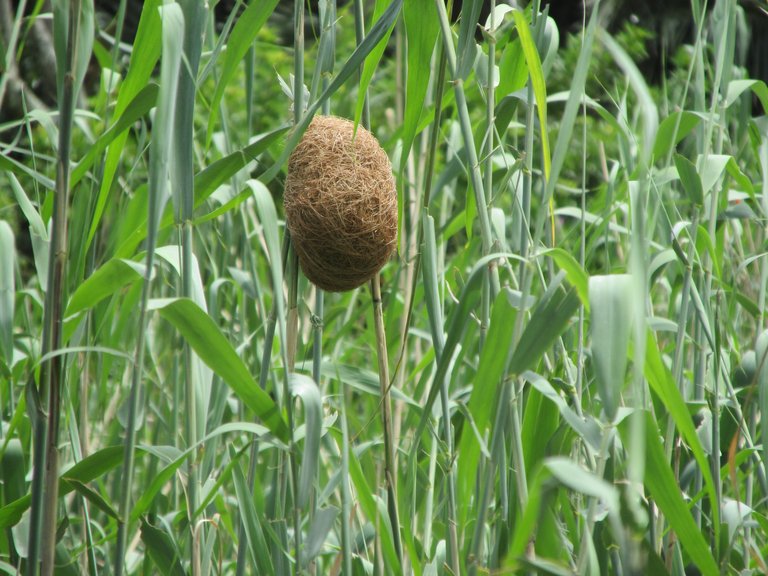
[[340, 204]]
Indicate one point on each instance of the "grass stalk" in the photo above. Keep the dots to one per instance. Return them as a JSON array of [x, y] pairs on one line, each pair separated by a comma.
[[53, 374], [173, 27], [473, 164], [390, 473], [438, 341], [182, 170]]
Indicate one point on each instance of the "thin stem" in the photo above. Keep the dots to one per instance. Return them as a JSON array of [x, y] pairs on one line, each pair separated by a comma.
[[465, 124], [182, 167], [53, 371], [390, 475]]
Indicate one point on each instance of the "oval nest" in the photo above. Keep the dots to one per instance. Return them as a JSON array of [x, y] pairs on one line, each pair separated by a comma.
[[340, 204]]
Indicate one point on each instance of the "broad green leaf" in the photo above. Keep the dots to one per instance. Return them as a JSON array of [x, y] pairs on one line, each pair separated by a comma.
[[587, 428], [737, 87], [523, 530], [550, 318], [88, 469], [13, 471], [611, 311], [374, 513], [540, 422], [470, 297], [248, 25], [164, 475], [572, 475], [421, 29], [104, 282], [161, 144], [318, 532], [37, 230], [513, 74], [431, 289], [663, 384], [207, 180], [690, 180], [265, 208], [363, 380], [672, 130], [486, 384], [162, 549], [214, 349], [712, 168], [92, 496]]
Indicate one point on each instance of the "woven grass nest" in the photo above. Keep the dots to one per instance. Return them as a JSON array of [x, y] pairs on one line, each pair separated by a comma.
[[340, 204]]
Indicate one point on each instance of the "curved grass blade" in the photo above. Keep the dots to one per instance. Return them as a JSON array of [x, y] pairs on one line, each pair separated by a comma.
[[257, 544], [7, 291], [306, 389], [538, 83], [549, 319], [665, 491], [248, 25], [139, 107], [162, 549], [372, 61], [104, 282], [467, 48], [202, 333]]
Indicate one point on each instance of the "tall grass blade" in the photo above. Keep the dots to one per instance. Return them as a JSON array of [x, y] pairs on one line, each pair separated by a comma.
[[241, 38], [372, 60], [663, 487], [143, 60], [162, 549], [421, 31], [761, 356], [648, 109], [209, 343], [550, 318], [160, 150], [7, 292], [611, 311], [257, 544], [467, 49], [538, 83]]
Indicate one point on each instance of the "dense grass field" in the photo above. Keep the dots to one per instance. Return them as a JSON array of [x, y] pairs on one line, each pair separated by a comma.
[[560, 371]]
